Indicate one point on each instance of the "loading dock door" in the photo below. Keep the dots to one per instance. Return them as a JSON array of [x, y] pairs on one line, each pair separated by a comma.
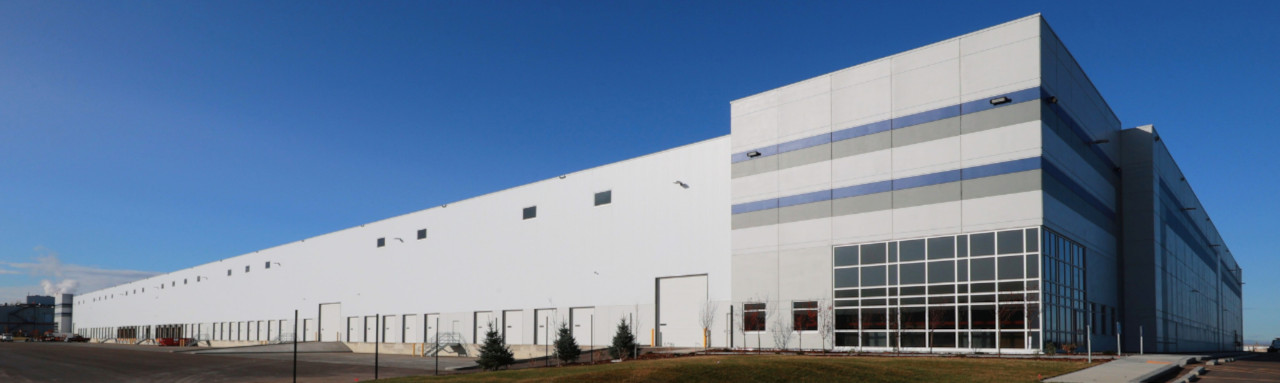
[[331, 322], [546, 326], [483, 320], [370, 328], [309, 330], [390, 329], [354, 331], [513, 326], [580, 320], [680, 302], [430, 325], [412, 329]]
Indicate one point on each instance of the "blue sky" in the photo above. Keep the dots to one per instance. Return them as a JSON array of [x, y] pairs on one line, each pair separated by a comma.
[[140, 137]]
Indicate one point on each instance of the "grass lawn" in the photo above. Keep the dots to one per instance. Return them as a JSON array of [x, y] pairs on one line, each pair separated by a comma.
[[783, 368]]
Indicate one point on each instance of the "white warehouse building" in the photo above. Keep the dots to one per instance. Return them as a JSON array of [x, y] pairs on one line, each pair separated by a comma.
[[973, 195]]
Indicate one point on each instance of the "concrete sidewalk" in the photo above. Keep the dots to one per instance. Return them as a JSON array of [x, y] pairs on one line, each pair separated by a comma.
[[1132, 368]]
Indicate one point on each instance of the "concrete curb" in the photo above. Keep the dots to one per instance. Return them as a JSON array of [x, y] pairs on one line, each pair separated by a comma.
[[1194, 374], [1190, 375]]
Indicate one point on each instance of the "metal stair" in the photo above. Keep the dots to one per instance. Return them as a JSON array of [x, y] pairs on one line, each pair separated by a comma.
[[447, 340]]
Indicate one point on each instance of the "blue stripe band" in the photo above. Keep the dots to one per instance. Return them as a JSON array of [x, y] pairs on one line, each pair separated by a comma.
[[942, 177], [1029, 94], [1057, 173], [1079, 131]]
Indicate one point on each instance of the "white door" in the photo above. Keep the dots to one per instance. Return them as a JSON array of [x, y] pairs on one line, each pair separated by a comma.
[[680, 302], [513, 326], [370, 329], [331, 322], [391, 329], [546, 326], [289, 329], [412, 329], [581, 321], [354, 331], [310, 331], [432, 322], [483, 319]]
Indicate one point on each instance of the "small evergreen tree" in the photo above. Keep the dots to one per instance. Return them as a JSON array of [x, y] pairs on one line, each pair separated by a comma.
[[566, 347], [494, 354], [624, 342]]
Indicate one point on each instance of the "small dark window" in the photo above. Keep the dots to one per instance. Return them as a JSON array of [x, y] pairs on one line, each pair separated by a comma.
[[604, 197], [804, 316], [382, 242], [184, 281], [173, 283], [753, 317], [246, 268], [422, 233], [228, 274], [267, 265], [530, 212]]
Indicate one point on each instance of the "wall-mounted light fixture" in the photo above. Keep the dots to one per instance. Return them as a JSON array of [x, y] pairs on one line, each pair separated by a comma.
[[682, 184], [1000, 100], [1052, 99], [753, 154], [563, 176]]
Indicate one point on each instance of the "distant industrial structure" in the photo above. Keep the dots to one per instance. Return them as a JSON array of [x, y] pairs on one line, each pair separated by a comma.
[[973, 195], [36, 316]]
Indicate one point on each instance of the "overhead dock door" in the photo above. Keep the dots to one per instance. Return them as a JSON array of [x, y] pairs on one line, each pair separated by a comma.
[[513, 326], [680, 303], [546, 326], [581, 321], [331, 322]]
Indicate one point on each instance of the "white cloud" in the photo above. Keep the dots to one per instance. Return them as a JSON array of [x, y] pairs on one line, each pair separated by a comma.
[[66, 278]]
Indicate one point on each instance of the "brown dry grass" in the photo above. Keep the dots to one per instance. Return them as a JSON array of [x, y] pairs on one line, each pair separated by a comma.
[[785, 368]]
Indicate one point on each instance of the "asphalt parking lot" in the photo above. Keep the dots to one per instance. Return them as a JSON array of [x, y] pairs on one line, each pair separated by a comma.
[[82, 362], [1263, 368]]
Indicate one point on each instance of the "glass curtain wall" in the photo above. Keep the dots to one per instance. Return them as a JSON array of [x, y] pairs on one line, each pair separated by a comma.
[[959, 292], [1064, 293]]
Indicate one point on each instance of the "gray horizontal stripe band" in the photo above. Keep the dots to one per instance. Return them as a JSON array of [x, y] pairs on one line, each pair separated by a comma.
[[1023, 181], [945, 112], [896, 138], [896, 184]]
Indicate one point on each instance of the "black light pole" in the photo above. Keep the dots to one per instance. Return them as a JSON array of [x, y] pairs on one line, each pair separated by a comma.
[[437, 344], [546, 338], [593, 337], [295, 346], [377, 333]]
